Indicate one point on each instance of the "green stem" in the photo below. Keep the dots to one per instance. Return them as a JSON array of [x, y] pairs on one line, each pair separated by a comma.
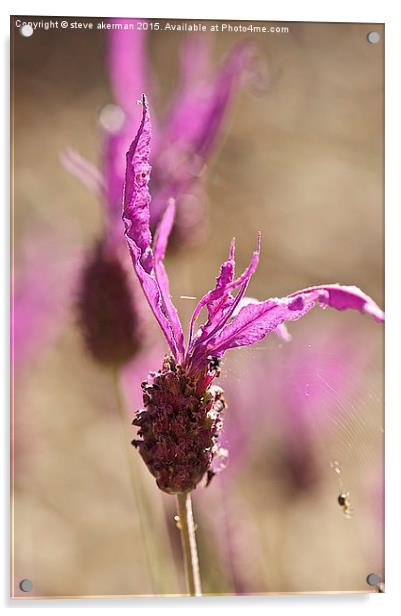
[[188, 540], [135, 486]]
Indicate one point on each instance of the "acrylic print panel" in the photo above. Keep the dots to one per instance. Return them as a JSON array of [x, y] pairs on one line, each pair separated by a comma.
[[265, 414]]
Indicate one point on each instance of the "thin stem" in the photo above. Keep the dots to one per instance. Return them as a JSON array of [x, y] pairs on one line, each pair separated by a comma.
[[135, 486], [188, 540]]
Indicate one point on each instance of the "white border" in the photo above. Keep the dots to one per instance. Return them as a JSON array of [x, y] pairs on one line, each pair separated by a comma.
[[305, 10]]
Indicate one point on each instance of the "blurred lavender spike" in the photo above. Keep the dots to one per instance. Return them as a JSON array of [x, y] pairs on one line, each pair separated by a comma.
[[193, 127], [40, 298]]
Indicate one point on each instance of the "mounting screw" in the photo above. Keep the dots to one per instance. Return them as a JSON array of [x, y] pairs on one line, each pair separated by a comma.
[[26, 585], [26, 30], [375, 580], [373, 37]]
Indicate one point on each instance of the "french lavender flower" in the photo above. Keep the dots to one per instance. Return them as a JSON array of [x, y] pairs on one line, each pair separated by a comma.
[[182, 419]]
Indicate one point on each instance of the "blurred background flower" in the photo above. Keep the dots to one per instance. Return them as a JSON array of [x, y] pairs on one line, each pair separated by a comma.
[[183, 140]]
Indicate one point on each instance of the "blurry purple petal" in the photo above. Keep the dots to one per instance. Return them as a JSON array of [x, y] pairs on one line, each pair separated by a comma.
[[87, 173], [256, 321], [197, 114], [194, 124], [127, 66], [282, 332], [137, 232], [40, 299], [195, 61], [128, 70]]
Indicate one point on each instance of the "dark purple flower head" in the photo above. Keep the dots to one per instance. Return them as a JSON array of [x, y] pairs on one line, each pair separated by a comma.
[[179, 427], [106, 310], [232, 319]]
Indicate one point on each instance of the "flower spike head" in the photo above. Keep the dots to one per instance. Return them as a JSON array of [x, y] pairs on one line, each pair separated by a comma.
[[182, 419], [179, 428], [106, 310]]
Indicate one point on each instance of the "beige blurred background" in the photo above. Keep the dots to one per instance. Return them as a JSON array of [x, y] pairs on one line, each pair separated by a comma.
[[302, 161]]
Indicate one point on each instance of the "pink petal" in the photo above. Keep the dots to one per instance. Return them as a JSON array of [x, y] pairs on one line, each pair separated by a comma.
[[256, 321], [137, 232], [127, 65], [136, 192], [219, 315], [345, 297], [224, 278], [162, 236], [281, 331]]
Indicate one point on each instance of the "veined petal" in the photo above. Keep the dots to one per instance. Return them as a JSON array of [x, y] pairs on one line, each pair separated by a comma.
[[221, 313], [281, 330], [136, 192], [162, 236], [137, 232], [152, 293], [127, 65], [257, 320], [210, 299], [344, 298]]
